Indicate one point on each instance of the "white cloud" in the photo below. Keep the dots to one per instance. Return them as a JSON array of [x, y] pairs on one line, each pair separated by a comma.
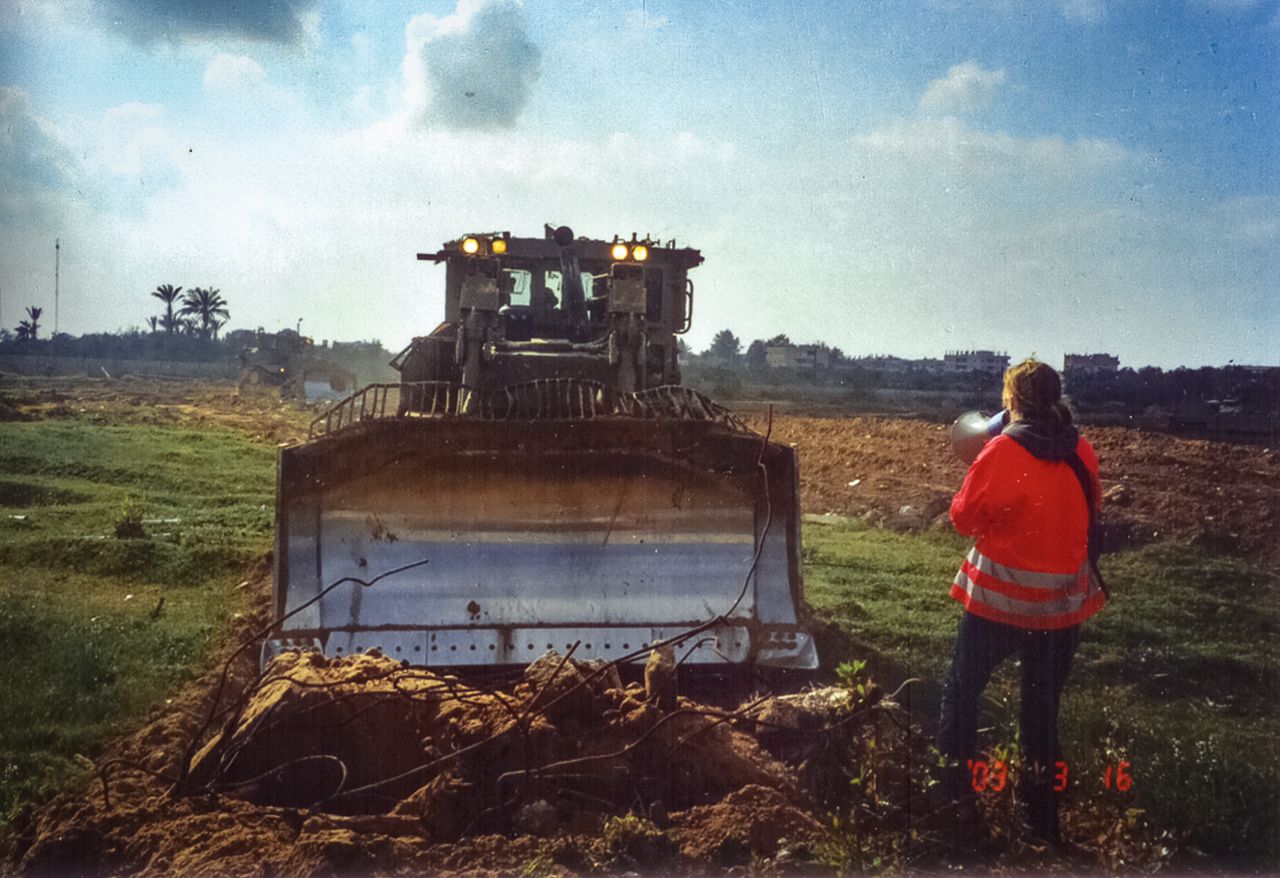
[[133, 141], [229, 73], [949, 143], [642, 19], [1087, 11], [38, 173], [363, 46], [473, 69], [1250, 221], [242, 99], [966, 87]]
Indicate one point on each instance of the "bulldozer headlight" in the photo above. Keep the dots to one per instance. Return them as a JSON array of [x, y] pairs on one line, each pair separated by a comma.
[[498, 246], [470, 246], [640, 252], [618, 252]]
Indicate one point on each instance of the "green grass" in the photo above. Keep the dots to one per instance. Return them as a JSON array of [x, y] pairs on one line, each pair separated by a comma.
[[1179, 675], [87, 645]]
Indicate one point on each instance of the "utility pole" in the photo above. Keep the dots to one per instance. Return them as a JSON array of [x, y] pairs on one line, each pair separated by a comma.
[[57, 259]]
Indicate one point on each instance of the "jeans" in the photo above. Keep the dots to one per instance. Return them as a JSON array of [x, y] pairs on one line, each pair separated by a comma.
[[981, 645]]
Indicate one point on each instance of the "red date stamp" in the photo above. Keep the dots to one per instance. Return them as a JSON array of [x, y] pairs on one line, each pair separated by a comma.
[[1123, 780], [994, 776]]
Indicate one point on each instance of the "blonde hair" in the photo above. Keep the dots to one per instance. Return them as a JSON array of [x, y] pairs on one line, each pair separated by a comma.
[[1033, 390]]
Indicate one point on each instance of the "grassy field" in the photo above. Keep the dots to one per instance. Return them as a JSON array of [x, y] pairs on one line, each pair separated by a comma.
[[1177, 676], [97, 629]]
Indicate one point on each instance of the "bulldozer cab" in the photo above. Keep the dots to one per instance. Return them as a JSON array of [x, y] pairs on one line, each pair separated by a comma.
[[556, 307], [559, 288]]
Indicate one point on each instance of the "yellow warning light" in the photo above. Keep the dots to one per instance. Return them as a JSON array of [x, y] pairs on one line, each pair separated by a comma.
[[470, 246], [618, 252], [640, 252], [499, 246]]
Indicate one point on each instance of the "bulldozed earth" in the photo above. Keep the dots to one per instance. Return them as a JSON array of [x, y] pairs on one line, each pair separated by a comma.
[[364, 765], [367, 766]]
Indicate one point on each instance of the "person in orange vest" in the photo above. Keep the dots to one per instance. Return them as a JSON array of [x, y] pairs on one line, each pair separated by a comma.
[[1029, 499]]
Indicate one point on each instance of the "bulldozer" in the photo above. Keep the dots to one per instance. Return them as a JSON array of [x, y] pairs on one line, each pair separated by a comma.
[[540, 480], [289, 362]]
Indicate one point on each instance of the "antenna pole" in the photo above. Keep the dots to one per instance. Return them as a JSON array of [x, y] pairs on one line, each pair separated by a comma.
[[57, 260]]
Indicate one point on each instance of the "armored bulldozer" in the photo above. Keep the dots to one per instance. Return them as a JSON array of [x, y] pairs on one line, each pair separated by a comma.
[[290, 362], [539, 480]]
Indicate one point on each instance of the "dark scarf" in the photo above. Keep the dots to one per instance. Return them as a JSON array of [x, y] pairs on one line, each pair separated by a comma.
[[1045, 440]]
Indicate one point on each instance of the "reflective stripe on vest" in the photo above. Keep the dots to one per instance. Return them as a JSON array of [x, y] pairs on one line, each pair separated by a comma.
[[1027, 598]]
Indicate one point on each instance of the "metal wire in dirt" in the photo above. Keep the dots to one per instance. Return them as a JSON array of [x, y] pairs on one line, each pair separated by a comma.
[[226, 668]]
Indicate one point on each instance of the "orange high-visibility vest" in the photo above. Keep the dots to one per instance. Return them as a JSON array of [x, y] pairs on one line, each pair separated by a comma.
[[1030, 567]]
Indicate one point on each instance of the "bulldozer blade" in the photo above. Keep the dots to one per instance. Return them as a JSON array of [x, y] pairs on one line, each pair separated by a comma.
[[516, 537]]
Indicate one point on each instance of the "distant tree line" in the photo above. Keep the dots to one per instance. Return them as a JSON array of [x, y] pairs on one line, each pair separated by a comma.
[[1132, 391], [187, 329], [201, 313]]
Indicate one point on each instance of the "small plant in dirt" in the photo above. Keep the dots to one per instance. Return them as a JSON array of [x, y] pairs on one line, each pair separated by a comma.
[[876, 774], [129, 518], [636, 840], [541, 866]]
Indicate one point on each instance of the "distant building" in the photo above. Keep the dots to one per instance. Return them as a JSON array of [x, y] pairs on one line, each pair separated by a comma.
[[1091, 364], [891, 365], [1260, 371], [802, 357], [956, 362]]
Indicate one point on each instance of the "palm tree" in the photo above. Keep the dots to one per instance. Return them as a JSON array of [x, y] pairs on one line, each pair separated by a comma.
[[154, 323], [208, 305], [34, 324], [168, 294]]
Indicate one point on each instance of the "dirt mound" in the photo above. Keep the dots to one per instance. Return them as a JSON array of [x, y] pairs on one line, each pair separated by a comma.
[[363, 764], [745, 824], [366, 734]]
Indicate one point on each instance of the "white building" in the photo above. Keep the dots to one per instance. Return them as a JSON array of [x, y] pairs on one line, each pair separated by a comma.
[[956, 362]]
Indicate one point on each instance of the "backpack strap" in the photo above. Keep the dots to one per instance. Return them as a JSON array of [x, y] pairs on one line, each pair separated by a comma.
[[1094, 544]]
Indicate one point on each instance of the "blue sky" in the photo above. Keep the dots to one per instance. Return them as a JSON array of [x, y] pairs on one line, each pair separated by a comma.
[[1033, 176]]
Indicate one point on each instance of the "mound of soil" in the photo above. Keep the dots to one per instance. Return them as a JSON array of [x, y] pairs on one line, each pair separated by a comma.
[[368, 735], [364, 765], [751, 822]]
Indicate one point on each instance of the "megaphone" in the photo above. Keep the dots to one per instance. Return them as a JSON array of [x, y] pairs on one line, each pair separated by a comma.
[[973, 430]]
